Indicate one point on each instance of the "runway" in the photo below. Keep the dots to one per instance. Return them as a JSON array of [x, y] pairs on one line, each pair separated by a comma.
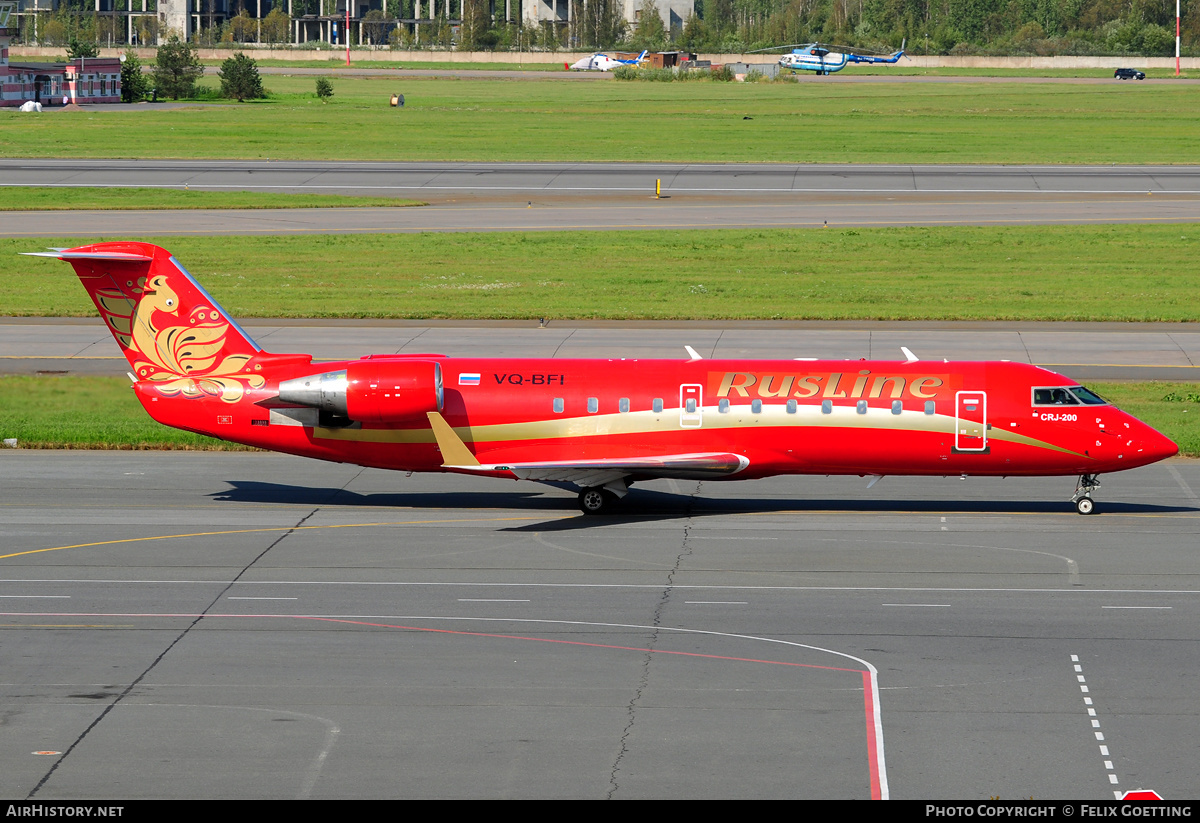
[[1084, 351], [548, 197], [184, 625]]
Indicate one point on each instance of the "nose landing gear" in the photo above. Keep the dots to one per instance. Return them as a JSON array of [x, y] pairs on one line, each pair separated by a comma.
[[1082, 498]]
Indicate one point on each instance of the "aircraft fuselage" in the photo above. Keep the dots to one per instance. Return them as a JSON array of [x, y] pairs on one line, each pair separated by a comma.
[[783, 417]]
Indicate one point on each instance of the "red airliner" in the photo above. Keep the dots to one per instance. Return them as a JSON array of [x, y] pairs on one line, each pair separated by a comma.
[[600, 424]]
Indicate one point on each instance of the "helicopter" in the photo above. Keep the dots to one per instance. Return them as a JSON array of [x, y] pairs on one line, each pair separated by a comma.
[[822, 59]]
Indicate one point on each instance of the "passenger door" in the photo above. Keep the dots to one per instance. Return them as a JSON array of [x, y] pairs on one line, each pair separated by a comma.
[[970, 421]]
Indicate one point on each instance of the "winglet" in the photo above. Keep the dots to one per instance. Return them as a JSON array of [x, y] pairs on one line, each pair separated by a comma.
[[454, 451]]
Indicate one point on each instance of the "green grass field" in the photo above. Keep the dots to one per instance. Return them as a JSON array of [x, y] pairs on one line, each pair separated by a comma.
[[102, 413], [45, 198], [1117, 272], [489, 120]]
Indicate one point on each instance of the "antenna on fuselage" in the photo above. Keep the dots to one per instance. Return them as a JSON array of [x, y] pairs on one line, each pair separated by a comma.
[[693, 354], [908, 355]]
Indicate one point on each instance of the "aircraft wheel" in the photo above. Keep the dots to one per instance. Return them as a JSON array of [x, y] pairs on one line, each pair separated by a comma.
[[1085, 505], [596, 501]]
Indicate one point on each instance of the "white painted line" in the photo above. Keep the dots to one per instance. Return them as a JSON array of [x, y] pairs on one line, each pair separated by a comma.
[[1166, 608], [261, 598], [1080, 678], [488, 600], [871, 689], [732, 538], [1108, 764], [920, 605], [1083, 689], [36, 596], [716, 602]]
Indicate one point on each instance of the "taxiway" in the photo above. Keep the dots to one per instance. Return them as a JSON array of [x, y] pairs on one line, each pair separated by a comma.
[[181, 625]]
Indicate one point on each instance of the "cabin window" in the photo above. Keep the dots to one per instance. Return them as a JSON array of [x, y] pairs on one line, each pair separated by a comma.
[[558, 405], [897, 407], [723, 405], [756, 407], [826, 407], [593, 405], [690, 405], [791, 407], [862, 407], [623, 405], [929, 407], [658, 404]]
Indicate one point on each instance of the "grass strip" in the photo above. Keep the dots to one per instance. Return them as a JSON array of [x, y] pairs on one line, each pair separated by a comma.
[[76, 412], [460, 119], [62, 198], [1107, 272]]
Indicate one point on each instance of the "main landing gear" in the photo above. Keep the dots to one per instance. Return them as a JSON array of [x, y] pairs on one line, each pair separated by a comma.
[[596, 500], [1082, 498]]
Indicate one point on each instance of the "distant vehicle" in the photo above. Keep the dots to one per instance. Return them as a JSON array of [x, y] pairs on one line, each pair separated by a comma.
[[823, 60], [1129, 74], [602, 62]]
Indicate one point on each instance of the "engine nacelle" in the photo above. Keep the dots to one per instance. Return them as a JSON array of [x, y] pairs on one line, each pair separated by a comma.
[[379, 391]]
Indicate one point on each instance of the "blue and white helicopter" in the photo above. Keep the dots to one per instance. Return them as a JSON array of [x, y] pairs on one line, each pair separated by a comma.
[[602, 62], [821, 59]]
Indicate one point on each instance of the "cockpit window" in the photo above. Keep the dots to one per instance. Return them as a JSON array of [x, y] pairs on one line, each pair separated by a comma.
[[1089, 397], [1067, 396], [1054, 397]]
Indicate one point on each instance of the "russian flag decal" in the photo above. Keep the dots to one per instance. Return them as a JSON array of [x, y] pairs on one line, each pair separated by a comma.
[[468, 379]]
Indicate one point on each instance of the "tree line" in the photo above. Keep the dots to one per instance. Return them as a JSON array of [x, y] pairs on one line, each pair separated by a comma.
[[955, 27]]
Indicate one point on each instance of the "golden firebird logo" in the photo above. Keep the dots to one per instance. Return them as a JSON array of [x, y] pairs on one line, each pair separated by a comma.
[[178, 357]]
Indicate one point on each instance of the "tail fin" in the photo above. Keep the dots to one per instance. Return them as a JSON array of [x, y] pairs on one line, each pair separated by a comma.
[[169, 328]]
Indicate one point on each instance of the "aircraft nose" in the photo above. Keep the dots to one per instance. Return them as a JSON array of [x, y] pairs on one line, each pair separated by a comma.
[[1156, 446]]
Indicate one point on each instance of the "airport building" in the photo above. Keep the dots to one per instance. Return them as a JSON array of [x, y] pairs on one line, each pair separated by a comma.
[[86, 80]]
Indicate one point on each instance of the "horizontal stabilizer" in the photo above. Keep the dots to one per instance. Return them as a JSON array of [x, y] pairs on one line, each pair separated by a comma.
[[68, 254]]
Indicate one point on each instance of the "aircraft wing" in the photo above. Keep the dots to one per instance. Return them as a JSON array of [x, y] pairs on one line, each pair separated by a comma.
[[587, 473], [583, 472]]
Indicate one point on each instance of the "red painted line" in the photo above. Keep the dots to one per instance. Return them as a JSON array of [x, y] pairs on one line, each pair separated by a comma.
[[868, 697], [872, 748], [581, 643]]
